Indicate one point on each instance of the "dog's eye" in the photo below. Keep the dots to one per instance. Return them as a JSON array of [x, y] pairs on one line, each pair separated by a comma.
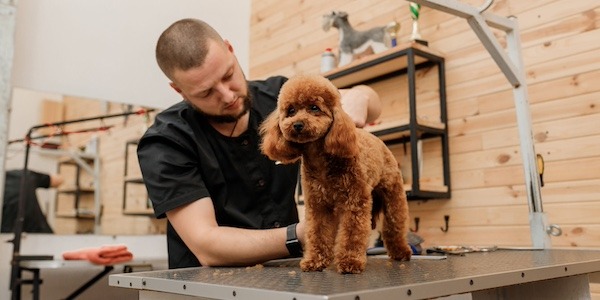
[[291, 111], [314, 108]]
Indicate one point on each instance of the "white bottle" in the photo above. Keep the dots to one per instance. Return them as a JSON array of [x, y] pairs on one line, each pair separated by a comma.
[[327, 61]]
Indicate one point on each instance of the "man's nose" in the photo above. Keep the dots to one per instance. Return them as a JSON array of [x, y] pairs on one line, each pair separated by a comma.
[[227, 95]]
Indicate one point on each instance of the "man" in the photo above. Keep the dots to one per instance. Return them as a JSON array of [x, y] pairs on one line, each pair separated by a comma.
[[34, 219], [226, 203]]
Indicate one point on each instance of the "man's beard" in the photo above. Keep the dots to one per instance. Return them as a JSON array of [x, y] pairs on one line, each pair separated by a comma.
[[246, 102]]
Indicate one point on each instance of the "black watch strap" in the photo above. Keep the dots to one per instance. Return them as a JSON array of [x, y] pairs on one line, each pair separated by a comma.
[[292, 243]]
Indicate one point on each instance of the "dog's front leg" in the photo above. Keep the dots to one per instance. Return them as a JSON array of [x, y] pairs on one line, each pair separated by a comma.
[[320, 235], [354, 230], [345, 58]]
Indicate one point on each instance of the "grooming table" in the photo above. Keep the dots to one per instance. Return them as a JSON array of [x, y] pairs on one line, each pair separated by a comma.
[[38, 264], [34, 266], [542, 274]]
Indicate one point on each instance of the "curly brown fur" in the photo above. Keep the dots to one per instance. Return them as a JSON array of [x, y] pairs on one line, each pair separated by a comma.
[[344, 170]]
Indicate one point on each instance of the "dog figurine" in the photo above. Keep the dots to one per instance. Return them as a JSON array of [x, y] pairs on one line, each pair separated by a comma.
[[349, 176], [353, 42]]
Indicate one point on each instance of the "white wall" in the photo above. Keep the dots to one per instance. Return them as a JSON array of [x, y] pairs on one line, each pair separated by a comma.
[[104, 49]]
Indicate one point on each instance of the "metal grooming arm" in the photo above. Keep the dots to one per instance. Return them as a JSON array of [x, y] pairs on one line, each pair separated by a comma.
[[512, 67]]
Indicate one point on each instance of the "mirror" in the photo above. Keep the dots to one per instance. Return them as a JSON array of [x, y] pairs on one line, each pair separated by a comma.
[[102, 190]]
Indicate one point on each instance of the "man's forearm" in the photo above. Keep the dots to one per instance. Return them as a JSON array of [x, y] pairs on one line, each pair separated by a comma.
[[228, 246], [216, 245]]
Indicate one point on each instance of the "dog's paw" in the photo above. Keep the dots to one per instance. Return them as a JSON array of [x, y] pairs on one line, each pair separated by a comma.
[[310, 265], [351, 266], [400, 253]]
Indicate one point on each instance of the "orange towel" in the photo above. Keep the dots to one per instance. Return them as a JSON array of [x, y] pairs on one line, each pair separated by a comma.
[[104, 255]]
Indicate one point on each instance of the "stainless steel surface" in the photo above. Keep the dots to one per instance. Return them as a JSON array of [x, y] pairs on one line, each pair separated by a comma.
[[383, 278], [55, 264], [157, 264]]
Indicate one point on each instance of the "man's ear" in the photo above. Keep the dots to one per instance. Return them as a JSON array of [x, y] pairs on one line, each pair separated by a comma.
[[228, 45], [178, 90]]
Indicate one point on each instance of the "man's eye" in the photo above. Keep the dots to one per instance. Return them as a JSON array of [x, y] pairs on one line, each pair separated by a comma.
[[314, 108], [205, 94]]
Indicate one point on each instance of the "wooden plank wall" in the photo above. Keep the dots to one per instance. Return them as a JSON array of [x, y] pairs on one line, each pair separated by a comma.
[[561, 43]]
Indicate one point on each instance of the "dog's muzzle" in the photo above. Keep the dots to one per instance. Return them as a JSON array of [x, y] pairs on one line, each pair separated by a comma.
[[298, 126]]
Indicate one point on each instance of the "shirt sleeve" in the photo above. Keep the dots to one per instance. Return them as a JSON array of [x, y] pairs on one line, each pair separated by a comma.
[[39, 180], [170, 174]]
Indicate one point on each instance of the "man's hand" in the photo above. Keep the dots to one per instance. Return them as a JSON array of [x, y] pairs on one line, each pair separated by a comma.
[[56, 180], [362, 103]]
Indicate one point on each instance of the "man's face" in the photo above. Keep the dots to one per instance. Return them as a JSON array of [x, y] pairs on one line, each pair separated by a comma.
[[218, 88]]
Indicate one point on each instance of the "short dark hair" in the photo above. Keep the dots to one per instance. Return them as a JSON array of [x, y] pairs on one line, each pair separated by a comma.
[[184, 45]]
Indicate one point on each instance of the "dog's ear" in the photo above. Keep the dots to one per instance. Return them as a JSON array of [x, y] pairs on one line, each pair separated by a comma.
[[341, 139], [274, 145], [342, 14]]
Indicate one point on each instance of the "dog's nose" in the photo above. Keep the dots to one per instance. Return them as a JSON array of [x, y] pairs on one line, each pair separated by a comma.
[[298, 126]]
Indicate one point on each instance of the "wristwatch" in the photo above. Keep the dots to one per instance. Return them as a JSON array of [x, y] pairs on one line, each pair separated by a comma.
[[292, 243]]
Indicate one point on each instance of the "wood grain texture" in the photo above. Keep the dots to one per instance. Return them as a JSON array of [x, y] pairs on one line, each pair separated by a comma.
[[561, 42]]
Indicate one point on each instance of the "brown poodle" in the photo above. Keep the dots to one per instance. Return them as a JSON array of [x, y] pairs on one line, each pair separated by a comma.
[[349, 176]]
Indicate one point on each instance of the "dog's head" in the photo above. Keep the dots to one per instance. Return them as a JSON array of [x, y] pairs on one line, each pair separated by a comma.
[[333, 19], [309, 109]]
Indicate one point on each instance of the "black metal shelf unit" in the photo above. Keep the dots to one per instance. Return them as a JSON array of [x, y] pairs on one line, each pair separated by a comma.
[[77, 190], [127, 180], [405, 60]]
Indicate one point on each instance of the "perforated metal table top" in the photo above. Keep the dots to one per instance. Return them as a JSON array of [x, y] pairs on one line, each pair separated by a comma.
[[383, 278]]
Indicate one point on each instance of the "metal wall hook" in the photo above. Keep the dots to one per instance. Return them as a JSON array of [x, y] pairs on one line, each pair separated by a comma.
[[446, 220], [554, 230], [417, 219]]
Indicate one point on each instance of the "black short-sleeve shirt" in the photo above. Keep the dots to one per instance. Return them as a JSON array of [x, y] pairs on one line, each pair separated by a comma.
[[34, 219], [184, 159]]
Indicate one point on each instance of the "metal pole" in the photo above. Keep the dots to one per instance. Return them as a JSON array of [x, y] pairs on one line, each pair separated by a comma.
[[538, 220], [7, 32]]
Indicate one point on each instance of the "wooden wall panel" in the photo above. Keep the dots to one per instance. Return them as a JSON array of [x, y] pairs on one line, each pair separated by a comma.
[[560, 40]]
